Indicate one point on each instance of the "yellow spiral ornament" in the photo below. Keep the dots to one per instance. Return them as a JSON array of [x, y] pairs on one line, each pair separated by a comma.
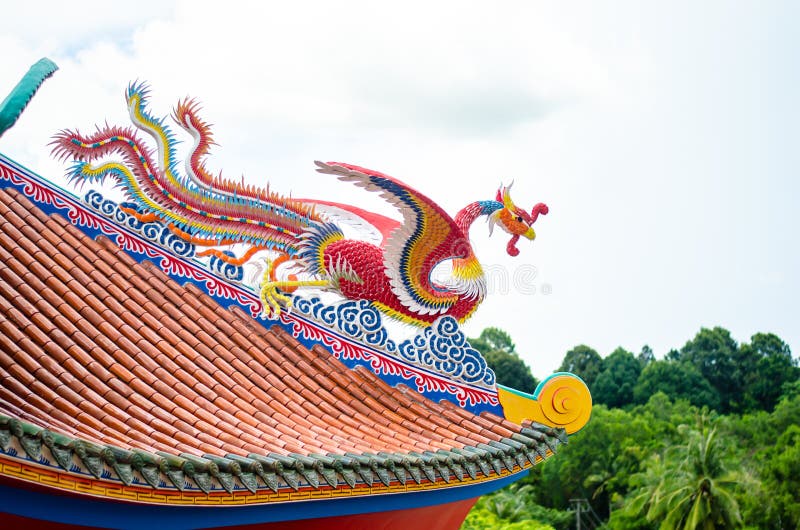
[[562, 400]]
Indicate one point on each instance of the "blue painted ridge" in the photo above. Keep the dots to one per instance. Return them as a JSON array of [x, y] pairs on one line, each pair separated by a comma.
[[114, 514], [440, 349], [393, 380]]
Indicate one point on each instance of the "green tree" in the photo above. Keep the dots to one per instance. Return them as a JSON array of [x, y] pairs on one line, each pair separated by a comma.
[[645, 356], [512, 508], [690, 488], [678, 380], [673, 355], [498, 349], [714, 353], [614, 386], [781, 477], [511, 371], [790, 390], [766, 449], [648, 489], [646, 460], [509, 504], [584, 362], [765, 366], [493, 338], [597, 465]]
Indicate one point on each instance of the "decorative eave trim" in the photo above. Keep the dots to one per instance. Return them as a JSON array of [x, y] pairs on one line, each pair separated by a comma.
[[33, 454]]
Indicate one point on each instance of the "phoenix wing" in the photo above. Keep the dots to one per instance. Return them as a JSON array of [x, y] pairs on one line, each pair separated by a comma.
[[428, 236]]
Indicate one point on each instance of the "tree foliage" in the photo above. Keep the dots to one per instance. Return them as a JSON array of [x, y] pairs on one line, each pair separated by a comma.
[[512, 509], [624, 461], [710, 370], [782, 477], [614, 386], [646, 356], [690, 488], [493, 339], [765, 366], [584, 362], [713, 352], [709, 437], [679, 380], [498, 349]]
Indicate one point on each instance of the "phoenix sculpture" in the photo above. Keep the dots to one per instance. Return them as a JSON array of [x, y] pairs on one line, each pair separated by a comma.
[[394, 271]]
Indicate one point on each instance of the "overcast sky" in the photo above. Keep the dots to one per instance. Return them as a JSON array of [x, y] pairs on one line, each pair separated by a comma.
[[663, 136]]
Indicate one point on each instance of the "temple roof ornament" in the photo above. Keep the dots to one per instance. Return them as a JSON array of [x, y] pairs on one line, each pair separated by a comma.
[[207, 343]]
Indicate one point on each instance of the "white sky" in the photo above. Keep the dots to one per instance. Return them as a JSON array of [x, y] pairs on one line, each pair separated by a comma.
[[663, 136]]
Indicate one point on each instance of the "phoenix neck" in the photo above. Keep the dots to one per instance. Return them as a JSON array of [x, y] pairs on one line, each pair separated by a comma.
[[471, 212]]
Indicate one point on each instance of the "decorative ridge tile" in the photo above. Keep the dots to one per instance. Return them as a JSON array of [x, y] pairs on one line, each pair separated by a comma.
[[210, 472]]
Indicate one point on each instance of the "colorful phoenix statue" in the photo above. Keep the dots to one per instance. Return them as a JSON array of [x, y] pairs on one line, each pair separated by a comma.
[[393, 272]]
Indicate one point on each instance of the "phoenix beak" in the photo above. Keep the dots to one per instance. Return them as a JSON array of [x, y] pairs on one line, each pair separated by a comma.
[[530, 234]]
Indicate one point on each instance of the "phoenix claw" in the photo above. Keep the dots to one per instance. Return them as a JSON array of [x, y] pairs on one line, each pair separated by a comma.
[[272, 297]]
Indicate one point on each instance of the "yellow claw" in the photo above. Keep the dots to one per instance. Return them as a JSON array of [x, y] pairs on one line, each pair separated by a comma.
[[271, 297], [271, 293]]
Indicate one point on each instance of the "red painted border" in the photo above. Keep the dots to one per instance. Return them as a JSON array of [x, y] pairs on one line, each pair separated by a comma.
[[440, 517]]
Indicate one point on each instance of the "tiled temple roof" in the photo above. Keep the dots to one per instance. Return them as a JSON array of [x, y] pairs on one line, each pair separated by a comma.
[[112, 362]]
